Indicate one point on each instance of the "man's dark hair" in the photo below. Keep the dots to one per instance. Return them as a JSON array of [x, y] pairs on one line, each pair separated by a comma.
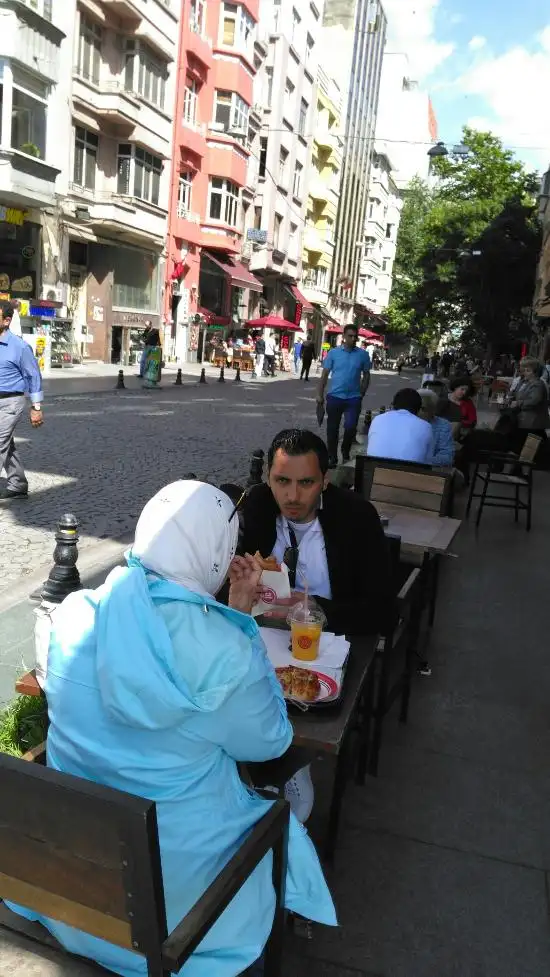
[[351, 325], [6, 308], [463, 381], [295, 441], [407, 399]]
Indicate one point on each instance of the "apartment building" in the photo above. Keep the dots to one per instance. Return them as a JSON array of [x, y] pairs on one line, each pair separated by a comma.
[[381, 226], [353, 40], [323, 194], [215, 165], [34, 130], [288, 123], [114, 188]]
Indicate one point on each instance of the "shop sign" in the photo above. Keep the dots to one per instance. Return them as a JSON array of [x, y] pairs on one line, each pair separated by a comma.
[[12, 216], [298, 313], [97, 313], [256, 235], [43, 311], [28, 251], [134, 319]]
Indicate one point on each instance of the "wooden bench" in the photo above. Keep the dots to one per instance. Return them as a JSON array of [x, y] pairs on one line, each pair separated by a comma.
[[89, 856]]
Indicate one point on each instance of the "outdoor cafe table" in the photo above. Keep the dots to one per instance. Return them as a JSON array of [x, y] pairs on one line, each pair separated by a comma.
[[424, 532], [328, 731]]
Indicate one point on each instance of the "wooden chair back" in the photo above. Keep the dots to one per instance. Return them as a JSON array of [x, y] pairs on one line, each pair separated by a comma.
[[531, 446], [403, 484], [83, 854]]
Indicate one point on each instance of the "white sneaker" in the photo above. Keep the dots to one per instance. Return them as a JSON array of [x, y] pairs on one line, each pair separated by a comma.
[[300, 794]]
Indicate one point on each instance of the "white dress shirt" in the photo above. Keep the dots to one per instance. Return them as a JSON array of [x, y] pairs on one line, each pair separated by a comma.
[[401, 435], [312, 557]]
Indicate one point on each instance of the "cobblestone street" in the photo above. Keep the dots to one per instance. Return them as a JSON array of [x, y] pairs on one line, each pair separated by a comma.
[[102, 454]]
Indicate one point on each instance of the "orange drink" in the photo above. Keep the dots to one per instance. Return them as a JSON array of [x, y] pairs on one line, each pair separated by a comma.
[[306, 636]]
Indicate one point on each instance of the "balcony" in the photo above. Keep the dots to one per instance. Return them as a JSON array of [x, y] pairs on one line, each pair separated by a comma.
[[109, 100], [313, 241], [126, 10], [319, 190], [26, 181], [30, 39], [133, 220], [193, 137], [198, 44], [187, 225]]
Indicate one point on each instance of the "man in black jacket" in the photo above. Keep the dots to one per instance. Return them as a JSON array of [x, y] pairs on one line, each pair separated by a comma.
[[332, 537]]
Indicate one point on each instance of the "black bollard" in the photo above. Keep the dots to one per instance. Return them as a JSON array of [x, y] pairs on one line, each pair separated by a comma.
[[64, 577], [120, 381], [382, 410], [238, 375], [256, 468], [221, 378], [367, 422], [203, 376], [177, 381]]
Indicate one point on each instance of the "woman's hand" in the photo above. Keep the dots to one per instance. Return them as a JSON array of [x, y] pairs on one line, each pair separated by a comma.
[[244, 583]]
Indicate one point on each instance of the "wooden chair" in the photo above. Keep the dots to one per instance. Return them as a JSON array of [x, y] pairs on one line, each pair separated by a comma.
[[493, 474], [89, 856]]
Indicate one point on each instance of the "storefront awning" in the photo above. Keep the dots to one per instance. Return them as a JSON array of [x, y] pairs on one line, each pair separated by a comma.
[[301, 299], [237, 273], [214, 320]]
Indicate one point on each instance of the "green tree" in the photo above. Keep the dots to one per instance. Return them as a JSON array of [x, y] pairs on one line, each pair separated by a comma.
[[482, 203]]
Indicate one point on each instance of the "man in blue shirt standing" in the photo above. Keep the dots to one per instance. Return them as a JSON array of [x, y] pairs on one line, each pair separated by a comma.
[[349, 370], [19, 375]]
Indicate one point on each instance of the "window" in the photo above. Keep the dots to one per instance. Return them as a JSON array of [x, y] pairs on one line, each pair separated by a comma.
[[86, 145], [135, 278], [224, 201], [277, 231], [197, 16], [309, 48], [138, 173], [89, 50], [384, 264], [269, 87], [263, 156], [276, 15], [28, 121], [302, 123], [230, 111], [144, 73], [316, 277], [389, 230], [190, 98], [293, 241], [283, 161], [296, 21], [237, 28], [297, 184], [288, 107], [42, 7], [184, 193], [257, 218]]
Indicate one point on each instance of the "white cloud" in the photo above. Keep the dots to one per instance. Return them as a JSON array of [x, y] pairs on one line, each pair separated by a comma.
[[411, 28], [514, 86], [477, 43]]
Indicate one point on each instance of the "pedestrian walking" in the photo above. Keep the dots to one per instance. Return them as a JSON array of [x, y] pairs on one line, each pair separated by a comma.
[[19, 375], [308, 355], [259, 353], [349, 370], [297, 350], [270, 355]]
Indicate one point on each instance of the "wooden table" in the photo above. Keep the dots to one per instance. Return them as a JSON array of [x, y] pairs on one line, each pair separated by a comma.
[[328, 731], [422, 531]]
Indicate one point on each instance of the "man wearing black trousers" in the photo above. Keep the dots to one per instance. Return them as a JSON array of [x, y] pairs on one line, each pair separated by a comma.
[[308, 353]]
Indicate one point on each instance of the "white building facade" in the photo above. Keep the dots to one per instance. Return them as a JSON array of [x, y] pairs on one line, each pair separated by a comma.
[[289, 106], [381, 226]]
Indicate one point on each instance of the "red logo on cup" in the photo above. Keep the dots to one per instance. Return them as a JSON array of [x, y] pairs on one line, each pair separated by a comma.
[[268, 596], [305, 642]]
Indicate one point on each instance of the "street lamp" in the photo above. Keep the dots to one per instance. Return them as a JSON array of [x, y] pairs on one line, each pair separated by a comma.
[[440, 149]]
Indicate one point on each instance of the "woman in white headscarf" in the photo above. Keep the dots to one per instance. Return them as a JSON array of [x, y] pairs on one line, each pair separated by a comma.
[[156, 689]]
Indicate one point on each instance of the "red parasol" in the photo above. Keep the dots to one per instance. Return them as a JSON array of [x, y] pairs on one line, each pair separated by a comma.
[[273, 322]]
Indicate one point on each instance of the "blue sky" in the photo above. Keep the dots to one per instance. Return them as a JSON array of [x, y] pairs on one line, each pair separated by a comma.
[[484, 62]]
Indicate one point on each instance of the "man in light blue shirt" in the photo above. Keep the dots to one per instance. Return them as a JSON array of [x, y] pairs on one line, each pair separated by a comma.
[[349, 370], [400, 433], [19, 376]]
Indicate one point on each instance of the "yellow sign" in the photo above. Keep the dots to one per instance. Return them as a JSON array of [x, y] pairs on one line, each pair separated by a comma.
[[12, 216], [40, 345], [24, 307]]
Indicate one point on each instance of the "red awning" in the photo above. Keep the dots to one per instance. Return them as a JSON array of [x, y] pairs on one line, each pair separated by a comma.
[[214, 320], [237, 273], [273, 322], [334, 329], [296, 294]]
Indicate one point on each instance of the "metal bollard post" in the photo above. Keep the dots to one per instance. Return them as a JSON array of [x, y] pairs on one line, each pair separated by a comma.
[[120, 381], [221, 378], [367, 422], [63, 579], [382, 410], [238, 375], [203, 376], [256, 468], [177, 381]]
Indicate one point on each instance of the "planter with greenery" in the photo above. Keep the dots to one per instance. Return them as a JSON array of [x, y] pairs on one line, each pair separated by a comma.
[[23, 725], [31, 149]]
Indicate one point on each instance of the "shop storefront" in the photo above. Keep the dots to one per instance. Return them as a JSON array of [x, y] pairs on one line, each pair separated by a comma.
[[19, 254], [49, 335]]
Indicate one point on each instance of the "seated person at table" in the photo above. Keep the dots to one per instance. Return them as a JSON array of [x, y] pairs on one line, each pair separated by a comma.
[[156, 689], [334, 535], [443, 446], [400, 433]]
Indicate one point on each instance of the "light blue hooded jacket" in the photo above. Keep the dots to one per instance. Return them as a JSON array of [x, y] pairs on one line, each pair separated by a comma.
[[162, 702]]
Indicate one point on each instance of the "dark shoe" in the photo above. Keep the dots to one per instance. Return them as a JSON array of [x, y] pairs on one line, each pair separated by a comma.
[[11, 494], [424, 668]]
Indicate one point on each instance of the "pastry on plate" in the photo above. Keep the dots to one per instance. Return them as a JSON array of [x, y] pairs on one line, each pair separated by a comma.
[[299, 683]]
